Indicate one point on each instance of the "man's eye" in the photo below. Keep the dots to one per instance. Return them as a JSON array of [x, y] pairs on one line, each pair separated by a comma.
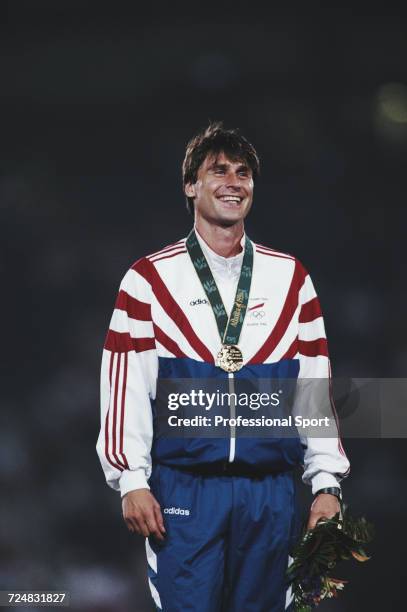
[[219, 171]]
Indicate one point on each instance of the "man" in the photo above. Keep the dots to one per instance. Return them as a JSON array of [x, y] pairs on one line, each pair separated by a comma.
[[218, 512]]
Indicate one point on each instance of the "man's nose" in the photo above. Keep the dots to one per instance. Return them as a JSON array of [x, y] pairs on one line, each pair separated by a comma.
[[234, 181]]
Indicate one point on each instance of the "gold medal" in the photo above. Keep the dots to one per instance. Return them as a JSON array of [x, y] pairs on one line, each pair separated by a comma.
[[229, 358]]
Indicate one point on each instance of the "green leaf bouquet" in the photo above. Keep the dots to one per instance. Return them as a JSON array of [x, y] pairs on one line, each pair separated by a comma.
[[342, 537]]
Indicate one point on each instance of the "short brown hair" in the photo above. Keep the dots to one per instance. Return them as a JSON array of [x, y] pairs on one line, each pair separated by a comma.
[[215, 139]]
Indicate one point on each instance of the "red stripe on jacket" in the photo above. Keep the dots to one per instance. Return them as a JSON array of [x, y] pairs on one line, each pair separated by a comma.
[[292, 350], [134, 308], [116, 394], [272, 253], [122, 342], [310, 311], [148, 271], [167, 342], [169, 256], [107, 455], [287, 313], [170, 247], [313, 348], [124, 386]]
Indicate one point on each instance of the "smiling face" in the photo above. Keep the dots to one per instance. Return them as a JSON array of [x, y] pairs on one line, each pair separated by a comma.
[[223, 191]]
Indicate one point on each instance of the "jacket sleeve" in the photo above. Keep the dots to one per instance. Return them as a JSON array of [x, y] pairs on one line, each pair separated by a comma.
[[128, 384], [325, 461]]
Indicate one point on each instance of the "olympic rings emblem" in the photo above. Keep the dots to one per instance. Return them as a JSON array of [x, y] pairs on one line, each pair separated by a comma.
[[257, 314]]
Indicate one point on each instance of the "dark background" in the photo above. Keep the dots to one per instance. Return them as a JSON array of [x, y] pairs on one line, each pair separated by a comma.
[[97, 104]]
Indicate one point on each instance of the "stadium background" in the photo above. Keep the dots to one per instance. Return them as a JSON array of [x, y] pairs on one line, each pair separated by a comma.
[[97, 104]]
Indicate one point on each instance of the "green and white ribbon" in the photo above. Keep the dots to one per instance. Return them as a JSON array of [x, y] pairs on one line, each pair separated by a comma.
[[229, 328]]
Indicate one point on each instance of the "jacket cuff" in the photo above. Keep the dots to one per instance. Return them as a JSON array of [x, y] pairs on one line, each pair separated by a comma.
[[323, 480], [130, 480]]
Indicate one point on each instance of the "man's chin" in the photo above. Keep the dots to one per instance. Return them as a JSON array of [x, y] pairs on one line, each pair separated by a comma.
[[228, 221]]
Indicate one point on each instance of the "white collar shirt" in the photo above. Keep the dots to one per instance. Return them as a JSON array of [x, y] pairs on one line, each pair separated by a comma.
[[225, 270]]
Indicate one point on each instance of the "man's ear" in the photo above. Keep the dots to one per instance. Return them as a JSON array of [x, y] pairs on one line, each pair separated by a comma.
[[190, 190]]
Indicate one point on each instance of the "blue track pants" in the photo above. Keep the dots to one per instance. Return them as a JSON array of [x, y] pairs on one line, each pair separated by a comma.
[[227, 544]]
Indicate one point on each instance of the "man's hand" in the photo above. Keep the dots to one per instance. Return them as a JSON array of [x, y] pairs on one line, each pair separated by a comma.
[[324, 505], [142, 514]]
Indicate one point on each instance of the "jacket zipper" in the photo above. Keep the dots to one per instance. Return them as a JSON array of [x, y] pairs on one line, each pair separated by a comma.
[[232, 415]]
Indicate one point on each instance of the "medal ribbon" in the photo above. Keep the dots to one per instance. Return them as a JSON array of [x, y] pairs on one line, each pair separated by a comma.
[[229, 329]]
